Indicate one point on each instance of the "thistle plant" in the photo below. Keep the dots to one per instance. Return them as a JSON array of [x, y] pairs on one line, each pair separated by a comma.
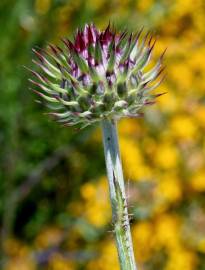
[[101, 77]]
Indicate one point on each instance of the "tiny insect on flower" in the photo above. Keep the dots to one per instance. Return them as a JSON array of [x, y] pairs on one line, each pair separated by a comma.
[[100, 75]]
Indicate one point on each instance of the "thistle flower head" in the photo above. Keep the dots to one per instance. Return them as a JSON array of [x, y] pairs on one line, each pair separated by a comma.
[[99, 75]]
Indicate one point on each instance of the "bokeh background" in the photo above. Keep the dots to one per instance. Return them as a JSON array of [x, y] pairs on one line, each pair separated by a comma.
[[54, 204]]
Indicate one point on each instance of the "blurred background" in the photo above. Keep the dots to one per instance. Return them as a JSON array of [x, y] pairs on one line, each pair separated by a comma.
[[54, 204]]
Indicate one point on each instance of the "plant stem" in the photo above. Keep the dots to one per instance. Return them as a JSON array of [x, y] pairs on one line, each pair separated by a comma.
[[117, 196]]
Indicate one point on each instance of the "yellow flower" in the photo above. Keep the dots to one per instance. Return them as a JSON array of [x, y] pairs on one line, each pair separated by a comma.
[[108, 259], [149, 145], [143, 240], [169, 188], [144, 5], [182, 76], [167, 231], [129, 127], [96, 214], [96, 207], [201, 245], [181, 259], [57, 262], [166, 156], [169, 102], [183, 7], [200, 115], [198, 20], [88, 191], [133, 162], [196, 62], [197, 181], [183, 127]]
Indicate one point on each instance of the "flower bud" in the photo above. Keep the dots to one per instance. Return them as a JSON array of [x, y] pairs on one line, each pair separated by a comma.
[[98, 75]]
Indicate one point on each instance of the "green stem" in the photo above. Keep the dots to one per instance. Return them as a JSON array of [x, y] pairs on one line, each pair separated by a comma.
[[118, 197]]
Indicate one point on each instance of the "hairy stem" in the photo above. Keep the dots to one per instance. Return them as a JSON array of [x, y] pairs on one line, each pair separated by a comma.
[[117, 196]]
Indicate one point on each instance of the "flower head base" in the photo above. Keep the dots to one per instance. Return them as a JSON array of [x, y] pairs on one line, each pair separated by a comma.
[[100, 75]]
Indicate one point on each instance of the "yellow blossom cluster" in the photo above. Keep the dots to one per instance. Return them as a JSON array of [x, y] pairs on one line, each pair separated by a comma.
[[96, 205]]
